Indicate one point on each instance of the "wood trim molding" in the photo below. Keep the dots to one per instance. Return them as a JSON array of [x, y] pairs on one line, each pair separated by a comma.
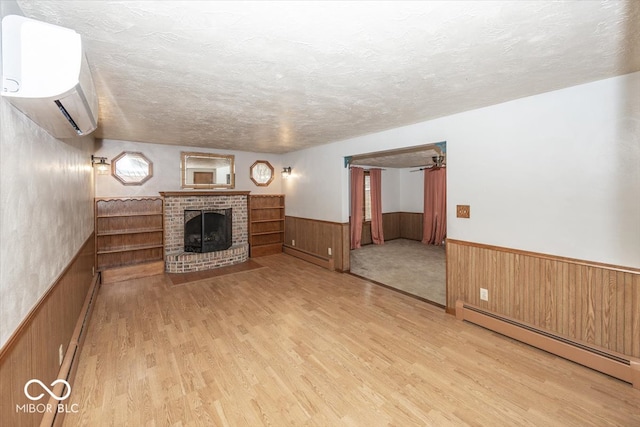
[[203, 193], [126, 198], [317, 220], [576, 261], [395, 152]]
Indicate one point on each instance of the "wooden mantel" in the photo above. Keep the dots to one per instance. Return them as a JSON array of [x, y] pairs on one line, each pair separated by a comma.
[[203, 193]]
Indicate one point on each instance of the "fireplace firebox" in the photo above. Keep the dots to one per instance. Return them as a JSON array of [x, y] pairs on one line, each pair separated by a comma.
[[207, 230]]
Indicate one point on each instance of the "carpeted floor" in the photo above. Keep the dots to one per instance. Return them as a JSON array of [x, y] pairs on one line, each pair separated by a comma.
[[407, 265]]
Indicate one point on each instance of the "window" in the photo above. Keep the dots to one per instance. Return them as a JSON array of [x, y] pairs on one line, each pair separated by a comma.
[[131, 168], [367, 196]]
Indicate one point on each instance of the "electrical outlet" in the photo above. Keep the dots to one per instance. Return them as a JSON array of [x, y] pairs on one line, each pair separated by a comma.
[[61, 353], [463, 211], [329, 251], [293, 242], [484, 294]]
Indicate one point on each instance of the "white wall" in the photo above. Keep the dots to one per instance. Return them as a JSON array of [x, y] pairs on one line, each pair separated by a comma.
[[166, 169], [411, 190], [46, 211], [556, 173], [390, 191], [317, 185], [321, 188]]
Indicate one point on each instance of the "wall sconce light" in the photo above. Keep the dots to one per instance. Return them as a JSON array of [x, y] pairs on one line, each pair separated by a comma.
[[101, 165], [286, 172]]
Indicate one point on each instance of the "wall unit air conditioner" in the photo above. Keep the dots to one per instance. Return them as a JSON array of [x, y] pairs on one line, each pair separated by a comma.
[[46, 76]]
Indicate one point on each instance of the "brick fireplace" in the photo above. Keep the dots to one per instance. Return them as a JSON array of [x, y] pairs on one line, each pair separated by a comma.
[[176, 202]]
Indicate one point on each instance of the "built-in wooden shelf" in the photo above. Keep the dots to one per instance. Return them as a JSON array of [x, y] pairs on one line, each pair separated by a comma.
[[129, 232], [130, 248], [267, 232], [266, 224], [129, 215]]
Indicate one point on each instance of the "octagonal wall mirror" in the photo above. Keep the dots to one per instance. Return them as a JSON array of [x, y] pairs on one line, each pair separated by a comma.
[[207, 170], [131, 168], [261, 173]]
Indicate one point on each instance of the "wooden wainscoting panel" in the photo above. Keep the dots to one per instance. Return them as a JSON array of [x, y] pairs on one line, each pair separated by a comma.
[[411, 225], [365, 238], [316, 237], [396, 225], [32, 351], [391, 225], [343, 240], [589, 302]]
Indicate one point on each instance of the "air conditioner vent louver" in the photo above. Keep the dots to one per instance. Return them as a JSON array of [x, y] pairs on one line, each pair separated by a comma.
[[65, 113]]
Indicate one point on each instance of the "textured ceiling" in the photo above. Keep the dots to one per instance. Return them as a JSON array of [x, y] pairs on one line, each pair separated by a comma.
[[281, 76]]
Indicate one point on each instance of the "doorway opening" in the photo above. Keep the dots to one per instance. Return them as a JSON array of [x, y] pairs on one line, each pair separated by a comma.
[[402, 262]]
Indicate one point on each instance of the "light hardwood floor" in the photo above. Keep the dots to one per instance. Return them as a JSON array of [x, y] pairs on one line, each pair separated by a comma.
[[294, 344]]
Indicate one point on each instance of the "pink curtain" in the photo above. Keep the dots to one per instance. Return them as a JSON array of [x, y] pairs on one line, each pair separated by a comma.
[[357, 206], [375, 177], [435, 206]]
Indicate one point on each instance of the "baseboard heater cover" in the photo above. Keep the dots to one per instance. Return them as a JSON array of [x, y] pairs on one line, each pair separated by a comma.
[[316, 259], [70, 361], [616, 365]]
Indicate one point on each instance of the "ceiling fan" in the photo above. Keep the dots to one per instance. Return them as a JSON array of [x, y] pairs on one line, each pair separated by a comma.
[[438, 162]]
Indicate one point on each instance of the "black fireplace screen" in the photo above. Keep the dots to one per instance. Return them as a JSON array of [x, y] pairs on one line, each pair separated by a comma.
[[207, 230]]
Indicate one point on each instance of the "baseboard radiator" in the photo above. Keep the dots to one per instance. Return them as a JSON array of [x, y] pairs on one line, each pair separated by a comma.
[[619, 366], [311, 257], [70, 361]]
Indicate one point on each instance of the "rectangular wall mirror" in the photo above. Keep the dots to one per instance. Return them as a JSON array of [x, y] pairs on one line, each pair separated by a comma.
[[207, 170]]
